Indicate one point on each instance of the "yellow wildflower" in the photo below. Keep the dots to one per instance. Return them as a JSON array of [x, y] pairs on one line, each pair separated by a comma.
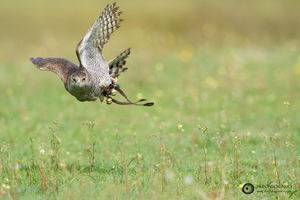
[[186, 53], [273, 162], [139, 96], [180, 126], [9, 91], [297, 68], [26, 118], [7, 187], [287, 103], [63, 165]]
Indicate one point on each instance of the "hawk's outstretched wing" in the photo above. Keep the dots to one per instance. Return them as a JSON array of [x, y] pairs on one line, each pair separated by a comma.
[[89, 49], [60, 66], [116, 64]]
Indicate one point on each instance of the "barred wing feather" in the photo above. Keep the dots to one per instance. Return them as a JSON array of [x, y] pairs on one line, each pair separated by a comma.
[[116, 64], [89, 49]]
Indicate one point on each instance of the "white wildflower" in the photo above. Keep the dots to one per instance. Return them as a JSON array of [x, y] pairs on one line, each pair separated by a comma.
[[42, 151], [188, 180], [169, 175]]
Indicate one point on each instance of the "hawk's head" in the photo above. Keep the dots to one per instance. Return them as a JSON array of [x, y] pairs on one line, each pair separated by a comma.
[[79, 79]]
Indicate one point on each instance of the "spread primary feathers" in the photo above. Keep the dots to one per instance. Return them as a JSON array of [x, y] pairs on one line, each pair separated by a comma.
[[88, 80]]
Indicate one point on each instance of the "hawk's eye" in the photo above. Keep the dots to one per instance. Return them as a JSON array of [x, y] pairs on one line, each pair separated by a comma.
[[83, 79], [74, 80]]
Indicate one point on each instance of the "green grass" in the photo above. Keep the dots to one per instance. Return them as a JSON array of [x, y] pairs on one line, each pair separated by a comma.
[[241, 104], [236, 97]]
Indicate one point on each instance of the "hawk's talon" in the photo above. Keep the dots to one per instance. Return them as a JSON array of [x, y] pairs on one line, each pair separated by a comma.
[[114, 80]]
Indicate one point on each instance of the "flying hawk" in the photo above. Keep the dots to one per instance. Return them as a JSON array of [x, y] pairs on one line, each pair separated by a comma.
[[95, 77]]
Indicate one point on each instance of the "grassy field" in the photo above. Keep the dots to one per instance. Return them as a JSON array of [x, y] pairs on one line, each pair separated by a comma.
[[225, 79]]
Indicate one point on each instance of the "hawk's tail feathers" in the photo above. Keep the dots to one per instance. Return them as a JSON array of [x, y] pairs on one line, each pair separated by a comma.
[[116, 65]]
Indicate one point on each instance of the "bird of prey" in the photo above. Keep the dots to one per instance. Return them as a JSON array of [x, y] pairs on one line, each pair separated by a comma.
[[94, 77]]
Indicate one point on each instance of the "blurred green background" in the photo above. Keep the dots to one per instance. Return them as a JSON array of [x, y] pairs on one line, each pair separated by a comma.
[[53, 28], [232, 66]]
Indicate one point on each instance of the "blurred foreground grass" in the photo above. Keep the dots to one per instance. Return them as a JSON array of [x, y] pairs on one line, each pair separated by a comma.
[[225, 79]]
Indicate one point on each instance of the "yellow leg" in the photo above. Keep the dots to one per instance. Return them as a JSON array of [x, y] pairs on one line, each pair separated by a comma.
[[114, 80]]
